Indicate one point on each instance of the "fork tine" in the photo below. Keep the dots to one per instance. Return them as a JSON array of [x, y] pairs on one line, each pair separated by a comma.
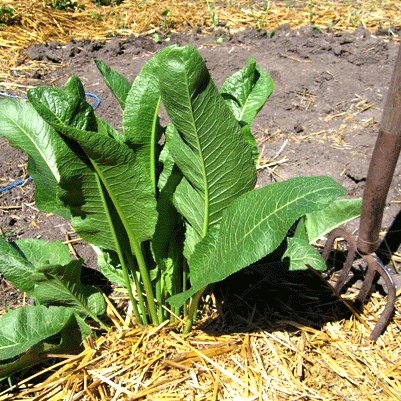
[[340, 233], [367, 283], [375, 265]]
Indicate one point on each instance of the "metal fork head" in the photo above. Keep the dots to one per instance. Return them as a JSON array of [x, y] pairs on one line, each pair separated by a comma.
[[374, 266], [338, 233]]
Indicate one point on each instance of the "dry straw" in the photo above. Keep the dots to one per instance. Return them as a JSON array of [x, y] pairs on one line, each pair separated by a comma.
[[256, 359], [298, 363]]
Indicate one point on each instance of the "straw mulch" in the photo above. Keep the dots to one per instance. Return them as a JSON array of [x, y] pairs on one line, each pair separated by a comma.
[[299, 363], [291, 362]]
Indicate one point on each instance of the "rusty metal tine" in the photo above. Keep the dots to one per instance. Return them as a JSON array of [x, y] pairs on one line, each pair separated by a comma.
[[340, 233], [376, 265], [366, 286]]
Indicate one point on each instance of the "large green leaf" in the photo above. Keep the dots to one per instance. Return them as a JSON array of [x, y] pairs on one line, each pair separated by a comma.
[[19, 261], [314, 225], [24, 327], [251, 140], [169, 219], [300, 252], [66, 106], [141, 125], [246, 91], [321, 222], [103, 179], [41, 253], [28, 334], [110, 266], [75, 88], [208, 145], [117, 83], [106, 129], [15, 267], [253, 226], [61, 286], [45, 271], [22, 126]]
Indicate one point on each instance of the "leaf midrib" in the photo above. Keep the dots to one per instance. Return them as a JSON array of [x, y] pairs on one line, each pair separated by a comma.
[[152, 166], [243, 109], [276, 210], [72, 295], [202, 160]]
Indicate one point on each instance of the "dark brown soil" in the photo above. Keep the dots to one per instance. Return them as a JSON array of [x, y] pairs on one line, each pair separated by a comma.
[[322, 118]]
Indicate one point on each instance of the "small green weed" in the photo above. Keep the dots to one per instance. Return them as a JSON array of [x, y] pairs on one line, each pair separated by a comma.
[[7, 16], [354, 18], [157, 38], [334, 22], [64, 5], [311, 12], [212, 13], [96, 16], [166, 22], [260, 20], [103, 2], [107, 2]]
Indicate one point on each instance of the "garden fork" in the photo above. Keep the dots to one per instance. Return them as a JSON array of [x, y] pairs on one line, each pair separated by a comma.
[[380, 173]]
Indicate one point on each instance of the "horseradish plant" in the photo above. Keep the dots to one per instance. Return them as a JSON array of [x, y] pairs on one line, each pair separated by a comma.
[[169, 210]]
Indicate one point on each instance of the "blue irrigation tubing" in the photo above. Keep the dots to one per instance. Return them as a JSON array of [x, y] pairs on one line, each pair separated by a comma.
[[95, 106], [12, 96], [21, 182], [15, 184]]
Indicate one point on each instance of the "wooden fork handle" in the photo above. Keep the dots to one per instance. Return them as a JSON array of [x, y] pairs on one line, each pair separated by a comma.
[[382, 166]]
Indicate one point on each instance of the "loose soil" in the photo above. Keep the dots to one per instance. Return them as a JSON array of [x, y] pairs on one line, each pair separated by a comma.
[[322, 119]]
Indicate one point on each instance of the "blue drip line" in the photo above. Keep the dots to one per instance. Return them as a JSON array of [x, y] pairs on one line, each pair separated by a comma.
[[98, 101], [15, 184], [21, 182], [14, 97], [95, 106]]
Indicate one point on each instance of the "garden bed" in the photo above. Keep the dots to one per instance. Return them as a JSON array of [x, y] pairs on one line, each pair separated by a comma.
[[322, 119]]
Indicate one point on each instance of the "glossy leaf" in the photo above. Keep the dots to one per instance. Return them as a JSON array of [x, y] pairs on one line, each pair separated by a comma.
[[253, 226], [27, 336], [339, 212], [106, 129], [247, 91], [208, 146], [103, 178], [141, 125], [28, 265], [26, 326], [110, 266], [14, 267], [166, 238], [62, 286], [116, 82], [22, 126], [19, 261], [42, 253], [300, 252]]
